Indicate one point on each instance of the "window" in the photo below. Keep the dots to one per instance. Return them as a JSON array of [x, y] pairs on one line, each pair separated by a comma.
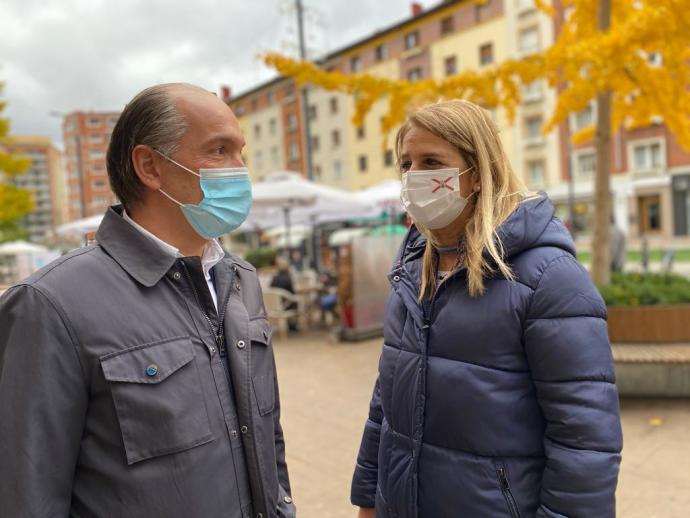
[[486, 54], [647, 157], [289, 91], [649, 208], [95, 154], [532, 91], [447, 25], [535, 171], [275, 157], [388, 157], [415, 74], [334, 105], [292, 121], [335, 138], [381, 52], [270, 97], [451, 65], [337, 169], [533, 127], [361, 132], [481, 11], [529, 40], [315, 143], [112, 120], [99, 200], [582, 119], [411, 40], [355, 64], [294, 151], [272, 126], [95, 139], [584, 163], [312, 112], [93, 121], [362, 160], [257, 131]]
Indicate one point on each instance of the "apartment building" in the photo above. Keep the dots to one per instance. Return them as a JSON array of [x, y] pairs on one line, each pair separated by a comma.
[[45, 180], [86, 137]]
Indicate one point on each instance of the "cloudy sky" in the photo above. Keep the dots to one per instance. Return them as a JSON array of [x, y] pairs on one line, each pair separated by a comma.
[[58, 56]]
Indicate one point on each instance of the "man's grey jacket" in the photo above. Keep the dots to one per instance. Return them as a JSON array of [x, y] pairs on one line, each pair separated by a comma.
[[116, 399]]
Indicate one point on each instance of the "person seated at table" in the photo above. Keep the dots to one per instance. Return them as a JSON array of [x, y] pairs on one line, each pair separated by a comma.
[[282, 279], [328, 300]]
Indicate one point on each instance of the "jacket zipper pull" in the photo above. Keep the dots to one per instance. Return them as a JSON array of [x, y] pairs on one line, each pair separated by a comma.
[[502, 478], [220, 342]]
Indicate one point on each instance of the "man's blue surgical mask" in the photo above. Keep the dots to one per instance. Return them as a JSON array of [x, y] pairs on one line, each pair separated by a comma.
[[227, 200]]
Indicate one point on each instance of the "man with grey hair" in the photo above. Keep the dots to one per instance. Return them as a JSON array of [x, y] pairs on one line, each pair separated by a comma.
[[137, 376]]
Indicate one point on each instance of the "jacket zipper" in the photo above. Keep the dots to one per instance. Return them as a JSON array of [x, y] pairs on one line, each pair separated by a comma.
[[505, 488], [217, 333]]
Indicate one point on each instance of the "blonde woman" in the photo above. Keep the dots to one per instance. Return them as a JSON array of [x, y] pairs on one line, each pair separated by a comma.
[[495, 395]]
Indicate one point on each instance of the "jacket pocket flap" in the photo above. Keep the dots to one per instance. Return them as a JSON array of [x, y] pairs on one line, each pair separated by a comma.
[[148, 363], [260, 331]]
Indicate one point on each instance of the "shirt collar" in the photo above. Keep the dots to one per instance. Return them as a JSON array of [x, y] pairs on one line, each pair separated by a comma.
[[141, 254], [213, 253]]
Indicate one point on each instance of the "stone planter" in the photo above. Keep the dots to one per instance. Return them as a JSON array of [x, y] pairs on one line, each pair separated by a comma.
[[649, 324]]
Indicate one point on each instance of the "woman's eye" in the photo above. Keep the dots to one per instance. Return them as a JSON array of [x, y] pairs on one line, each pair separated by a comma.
[[405, 166], [431, 162]]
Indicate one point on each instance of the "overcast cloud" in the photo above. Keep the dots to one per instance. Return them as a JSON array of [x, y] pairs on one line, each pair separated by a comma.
[[67, 55]]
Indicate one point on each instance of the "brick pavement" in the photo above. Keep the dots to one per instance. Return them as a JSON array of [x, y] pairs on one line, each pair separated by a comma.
[[325, 390]]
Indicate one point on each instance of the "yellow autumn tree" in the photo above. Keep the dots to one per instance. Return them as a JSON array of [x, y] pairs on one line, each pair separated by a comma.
[[15, 203], [631, 55]]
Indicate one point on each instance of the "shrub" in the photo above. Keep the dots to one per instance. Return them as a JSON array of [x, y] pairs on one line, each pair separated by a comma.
[[261, 257], [638, 289]]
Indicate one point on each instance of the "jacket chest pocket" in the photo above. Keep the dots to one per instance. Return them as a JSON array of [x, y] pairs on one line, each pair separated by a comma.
[[262, 366], [158, 398]]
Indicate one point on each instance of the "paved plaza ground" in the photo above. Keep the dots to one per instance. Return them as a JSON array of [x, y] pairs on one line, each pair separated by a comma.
[[325, 390]]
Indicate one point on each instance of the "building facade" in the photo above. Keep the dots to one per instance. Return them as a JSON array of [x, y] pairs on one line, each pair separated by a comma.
[[45, 180], [650, 171], [86, 137]]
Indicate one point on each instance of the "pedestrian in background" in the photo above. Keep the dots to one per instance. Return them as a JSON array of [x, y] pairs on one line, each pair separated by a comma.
[[495, 394]]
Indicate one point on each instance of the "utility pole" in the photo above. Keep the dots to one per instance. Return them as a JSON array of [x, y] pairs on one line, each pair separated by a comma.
[[601, 251], [305, 93]]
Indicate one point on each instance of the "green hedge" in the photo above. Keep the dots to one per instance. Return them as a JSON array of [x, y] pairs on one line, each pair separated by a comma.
[[637, 289], [261, 257]]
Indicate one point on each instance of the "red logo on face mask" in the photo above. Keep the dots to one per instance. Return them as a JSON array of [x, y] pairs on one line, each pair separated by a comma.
[[442, 184]]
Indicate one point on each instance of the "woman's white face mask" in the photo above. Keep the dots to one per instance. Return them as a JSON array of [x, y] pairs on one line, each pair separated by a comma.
[[432, 198]]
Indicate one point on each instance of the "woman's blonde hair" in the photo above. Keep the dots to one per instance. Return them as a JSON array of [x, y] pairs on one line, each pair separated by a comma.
[[471, 130]]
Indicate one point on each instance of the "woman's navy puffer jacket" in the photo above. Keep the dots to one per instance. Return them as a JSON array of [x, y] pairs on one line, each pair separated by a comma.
[[502, 405]]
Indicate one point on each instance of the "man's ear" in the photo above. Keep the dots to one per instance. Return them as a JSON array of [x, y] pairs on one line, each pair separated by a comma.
[[146, 165]]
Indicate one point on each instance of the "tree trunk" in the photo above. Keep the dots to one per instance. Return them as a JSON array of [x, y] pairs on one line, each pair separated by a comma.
[[601, 252]]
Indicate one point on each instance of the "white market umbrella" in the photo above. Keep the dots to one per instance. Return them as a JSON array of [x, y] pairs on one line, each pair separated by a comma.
[[80, 226], [385, 195], [21, 247], [304, 202]]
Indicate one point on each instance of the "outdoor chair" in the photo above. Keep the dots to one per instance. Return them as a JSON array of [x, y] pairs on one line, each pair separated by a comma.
[[276, 301]]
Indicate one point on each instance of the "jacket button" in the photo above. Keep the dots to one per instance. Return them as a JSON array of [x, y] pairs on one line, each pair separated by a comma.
[[287, 500], [152, 370], [396, 278], [244, 429], [241, 344], [177, 276]]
